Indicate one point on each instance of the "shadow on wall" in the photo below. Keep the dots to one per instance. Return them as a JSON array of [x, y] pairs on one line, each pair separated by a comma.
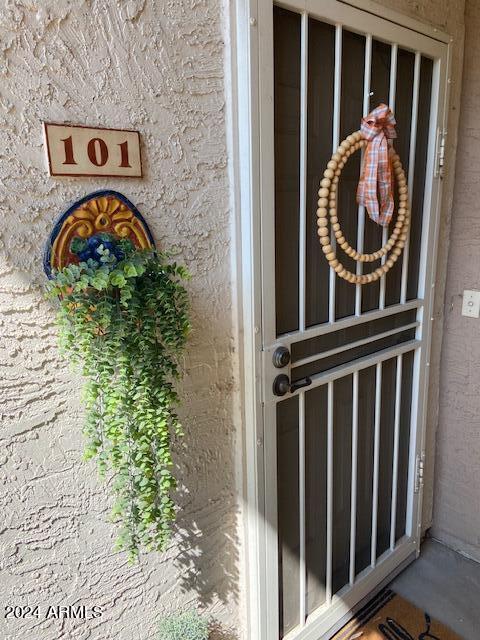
[[206, 542], [217, 632], [207, 556]]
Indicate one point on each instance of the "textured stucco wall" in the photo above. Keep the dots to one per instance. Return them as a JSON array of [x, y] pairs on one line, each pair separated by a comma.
[[457, 496], [157, 67], [448, 16]]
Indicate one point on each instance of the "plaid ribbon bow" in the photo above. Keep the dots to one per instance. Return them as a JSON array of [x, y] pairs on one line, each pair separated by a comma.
[[378, 128]]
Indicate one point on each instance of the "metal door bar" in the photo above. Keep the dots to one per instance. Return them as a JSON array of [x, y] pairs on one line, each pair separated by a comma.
[[363, 363], [352, 321], [376, 463], [392, 94], [396, 444], [337, 93], [301, 493], [411, 170], [353, 345], [391, 100], [353, 491], [329, 563], [361, 209], [303, 171]]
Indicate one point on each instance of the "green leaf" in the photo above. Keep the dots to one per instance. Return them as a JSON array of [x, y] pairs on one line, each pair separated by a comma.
[[77, 244], [100, 281], [130, 270], [117, 279]]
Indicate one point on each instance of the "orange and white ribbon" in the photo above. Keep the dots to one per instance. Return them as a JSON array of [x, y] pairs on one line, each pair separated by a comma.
[[375, 189]]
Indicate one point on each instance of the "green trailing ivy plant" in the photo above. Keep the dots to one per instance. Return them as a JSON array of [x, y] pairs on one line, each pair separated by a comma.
[[123, 320]]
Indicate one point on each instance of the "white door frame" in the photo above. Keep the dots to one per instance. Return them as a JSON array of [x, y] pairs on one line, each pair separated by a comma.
[[247, 169]]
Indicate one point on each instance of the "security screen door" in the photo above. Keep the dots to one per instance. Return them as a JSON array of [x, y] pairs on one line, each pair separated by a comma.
[[343, 426]]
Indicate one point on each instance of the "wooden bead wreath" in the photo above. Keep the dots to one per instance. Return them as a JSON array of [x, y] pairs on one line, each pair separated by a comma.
[[328, 197]]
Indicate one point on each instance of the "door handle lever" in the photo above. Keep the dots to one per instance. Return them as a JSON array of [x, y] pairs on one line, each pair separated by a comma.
[[304, 382], [282, 384]]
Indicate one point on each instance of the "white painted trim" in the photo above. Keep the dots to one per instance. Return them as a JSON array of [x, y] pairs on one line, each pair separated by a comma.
[[245, 168], [265, 127], [432, 203], [399, 18], [238, 409], [362, 21]]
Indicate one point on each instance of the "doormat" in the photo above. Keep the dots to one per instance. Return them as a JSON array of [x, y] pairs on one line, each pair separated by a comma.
[[390, 617]]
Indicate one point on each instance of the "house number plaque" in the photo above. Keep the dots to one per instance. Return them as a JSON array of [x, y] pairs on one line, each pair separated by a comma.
[[75, 150]]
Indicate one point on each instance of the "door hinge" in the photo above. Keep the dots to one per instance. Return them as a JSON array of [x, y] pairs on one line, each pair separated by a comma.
[[440, 155], [419, 471]]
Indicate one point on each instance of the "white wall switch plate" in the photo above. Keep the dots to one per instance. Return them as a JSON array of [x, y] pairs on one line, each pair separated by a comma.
[[471, 304]]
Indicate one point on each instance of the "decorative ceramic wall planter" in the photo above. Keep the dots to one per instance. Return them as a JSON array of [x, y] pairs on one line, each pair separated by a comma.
[[100, 212]]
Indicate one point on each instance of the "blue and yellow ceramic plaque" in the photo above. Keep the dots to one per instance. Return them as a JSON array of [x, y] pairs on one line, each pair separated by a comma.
[[92, 220]]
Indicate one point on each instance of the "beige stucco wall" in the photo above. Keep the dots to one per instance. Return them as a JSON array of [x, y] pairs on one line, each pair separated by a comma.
[[457, 485], [157, 67]]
